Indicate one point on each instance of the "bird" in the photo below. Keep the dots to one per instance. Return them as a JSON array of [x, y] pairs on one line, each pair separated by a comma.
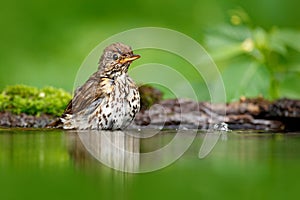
[[109, 99]]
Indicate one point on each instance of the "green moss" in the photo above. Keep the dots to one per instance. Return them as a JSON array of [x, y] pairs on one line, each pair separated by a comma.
[[33, 101], [149, 96]]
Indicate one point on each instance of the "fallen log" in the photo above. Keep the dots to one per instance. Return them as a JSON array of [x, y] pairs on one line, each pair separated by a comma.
[[256, 113]]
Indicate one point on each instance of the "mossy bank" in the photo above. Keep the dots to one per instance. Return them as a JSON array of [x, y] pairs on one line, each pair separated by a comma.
[[19, 99]]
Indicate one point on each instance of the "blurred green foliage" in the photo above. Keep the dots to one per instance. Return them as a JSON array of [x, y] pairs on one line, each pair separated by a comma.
[[51, 38], [33, 101], [256, 61]]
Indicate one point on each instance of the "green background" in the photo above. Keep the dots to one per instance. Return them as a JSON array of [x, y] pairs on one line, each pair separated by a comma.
[[44, 42]]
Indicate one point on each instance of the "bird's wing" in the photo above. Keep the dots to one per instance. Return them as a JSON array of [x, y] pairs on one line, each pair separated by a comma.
[[95, 89]]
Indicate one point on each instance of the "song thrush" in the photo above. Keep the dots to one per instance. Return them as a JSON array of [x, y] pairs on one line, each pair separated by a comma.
[[109, 99]]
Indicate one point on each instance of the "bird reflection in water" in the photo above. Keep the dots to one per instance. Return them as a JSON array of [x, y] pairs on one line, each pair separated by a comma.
[[115, 149]]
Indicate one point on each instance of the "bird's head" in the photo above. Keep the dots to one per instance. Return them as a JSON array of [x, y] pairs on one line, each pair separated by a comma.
[[116, 59]]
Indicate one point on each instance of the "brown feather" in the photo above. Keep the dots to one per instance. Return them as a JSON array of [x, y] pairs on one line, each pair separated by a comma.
[[87, 94]]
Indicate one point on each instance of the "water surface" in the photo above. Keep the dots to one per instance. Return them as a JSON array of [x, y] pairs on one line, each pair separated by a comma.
[[56, 164]]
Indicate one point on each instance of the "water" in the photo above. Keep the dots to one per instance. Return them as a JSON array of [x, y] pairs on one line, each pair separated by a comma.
[[55, 164]]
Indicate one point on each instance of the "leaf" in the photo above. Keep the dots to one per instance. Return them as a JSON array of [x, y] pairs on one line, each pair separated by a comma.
[[289, 86], [246, 77], [226, 52], [225, 41], [276, 44], [260, 37], [289, 37]]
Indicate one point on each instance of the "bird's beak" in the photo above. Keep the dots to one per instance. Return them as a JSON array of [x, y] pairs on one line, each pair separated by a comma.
[[129, 59]]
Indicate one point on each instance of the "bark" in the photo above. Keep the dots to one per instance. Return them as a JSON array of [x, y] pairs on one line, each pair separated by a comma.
[[256, 114]]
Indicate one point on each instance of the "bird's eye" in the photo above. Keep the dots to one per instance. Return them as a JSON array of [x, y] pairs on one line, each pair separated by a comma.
[[115, 57]]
